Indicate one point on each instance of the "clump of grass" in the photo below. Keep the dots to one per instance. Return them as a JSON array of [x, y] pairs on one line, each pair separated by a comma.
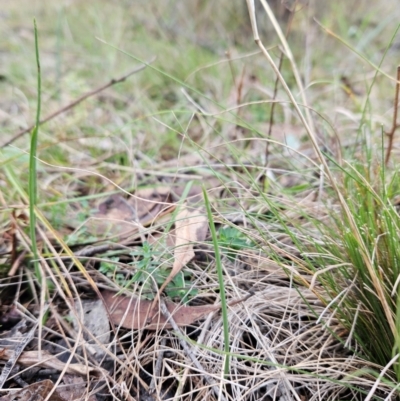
[[360, 264], [353, 255]]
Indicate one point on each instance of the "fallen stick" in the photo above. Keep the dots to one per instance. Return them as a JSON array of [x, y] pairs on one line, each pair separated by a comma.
[[77, 101], [46, 360]]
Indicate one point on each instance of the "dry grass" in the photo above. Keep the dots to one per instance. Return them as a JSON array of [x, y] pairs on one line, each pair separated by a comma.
[[198, 115]]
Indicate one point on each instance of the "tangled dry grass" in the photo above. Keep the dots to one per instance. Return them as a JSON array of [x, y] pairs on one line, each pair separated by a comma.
[[115, 171]]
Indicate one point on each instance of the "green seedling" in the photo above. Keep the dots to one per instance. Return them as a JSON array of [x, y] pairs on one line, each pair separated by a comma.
[[231, 240], [148, 268], [80, 236], [109, 269], [56, 214]]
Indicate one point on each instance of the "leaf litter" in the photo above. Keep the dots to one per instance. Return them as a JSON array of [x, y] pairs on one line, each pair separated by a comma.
[[191, 227], [255, 323], [120, 218], [261, 327], [138, 314]]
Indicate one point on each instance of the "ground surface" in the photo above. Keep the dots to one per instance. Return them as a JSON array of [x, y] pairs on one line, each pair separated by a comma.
[[126, 177]]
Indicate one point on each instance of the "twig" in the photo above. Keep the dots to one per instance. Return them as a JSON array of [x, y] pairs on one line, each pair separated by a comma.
[[157, 370], [50, 361], [92, 250], [77, 101], [17, 263], [395, 124], [17, 377]]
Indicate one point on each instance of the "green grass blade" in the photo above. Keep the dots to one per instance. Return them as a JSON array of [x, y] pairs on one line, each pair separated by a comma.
[[218, 264], [32, 164]]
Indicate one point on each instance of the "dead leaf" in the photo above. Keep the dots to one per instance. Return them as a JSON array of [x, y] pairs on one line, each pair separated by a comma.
[[120, 217], [148, 203], [190, 227], [46, 360], [115, 217], [34, 392], [95, 321], [135, 313], [74, 389]]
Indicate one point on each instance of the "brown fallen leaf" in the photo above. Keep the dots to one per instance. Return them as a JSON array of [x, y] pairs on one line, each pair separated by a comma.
[[190, 227], [114, 217], [135, 313], [34, 392], [46, 360], [74, 388], [95, 322], [118, 216], [148, 203]]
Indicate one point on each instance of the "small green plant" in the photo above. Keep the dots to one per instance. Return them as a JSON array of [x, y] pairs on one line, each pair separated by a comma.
[[84, 211], [144, 261], [109, 269], [56, 214], [148, 268], [80, 236], [231, 240]]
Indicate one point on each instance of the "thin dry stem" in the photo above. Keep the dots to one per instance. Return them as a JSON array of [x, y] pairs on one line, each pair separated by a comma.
[[395, 123], [76, 102], [271, 116], [188, 351]]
